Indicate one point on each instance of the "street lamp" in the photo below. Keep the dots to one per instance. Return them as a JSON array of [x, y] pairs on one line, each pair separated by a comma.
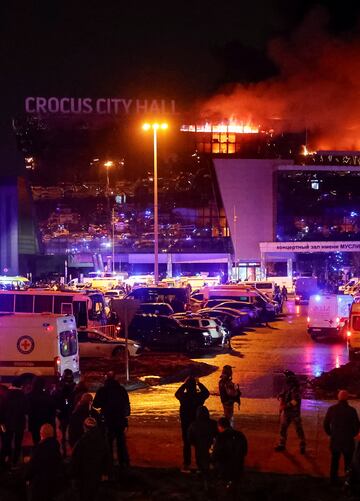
[[107, 165], [155, 127]]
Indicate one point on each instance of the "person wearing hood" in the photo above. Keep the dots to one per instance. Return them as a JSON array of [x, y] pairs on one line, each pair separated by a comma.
[[341, 424], [290, 411], [229, 392], [191, 395], [13, 420], [113, 401], [202, 433]]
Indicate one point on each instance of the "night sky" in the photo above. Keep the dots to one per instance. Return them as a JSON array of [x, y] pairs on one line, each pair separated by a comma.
[[183, 50]]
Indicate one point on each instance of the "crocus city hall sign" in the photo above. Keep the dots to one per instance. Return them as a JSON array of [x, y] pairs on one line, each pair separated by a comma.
[[101, 106]]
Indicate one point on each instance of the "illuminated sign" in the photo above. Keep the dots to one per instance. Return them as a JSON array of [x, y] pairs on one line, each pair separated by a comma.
[[100, 106], [339, 246]]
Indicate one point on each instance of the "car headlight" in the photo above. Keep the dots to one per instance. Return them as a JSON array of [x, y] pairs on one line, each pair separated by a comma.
[[136, 345], [206, 334]]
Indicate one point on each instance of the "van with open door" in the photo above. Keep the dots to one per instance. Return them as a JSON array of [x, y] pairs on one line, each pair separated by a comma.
[[38, 344]]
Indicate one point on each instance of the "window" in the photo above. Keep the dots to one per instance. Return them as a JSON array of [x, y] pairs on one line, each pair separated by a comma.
[[7, 303], [68, 343], [66, 308], [356, 323], [24, 303], [83, 337], [43, 304], [58, 300]]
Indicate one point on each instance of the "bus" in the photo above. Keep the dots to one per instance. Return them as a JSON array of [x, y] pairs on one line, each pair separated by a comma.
[[87, 308]]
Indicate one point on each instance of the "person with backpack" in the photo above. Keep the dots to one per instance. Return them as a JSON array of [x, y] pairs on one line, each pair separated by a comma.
[[228, 458], [191, 395], [290, 411], [113, 401], [229, 392]]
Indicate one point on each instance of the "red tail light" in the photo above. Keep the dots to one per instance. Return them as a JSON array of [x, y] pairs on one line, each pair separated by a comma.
[[57, 366], [348, 333]]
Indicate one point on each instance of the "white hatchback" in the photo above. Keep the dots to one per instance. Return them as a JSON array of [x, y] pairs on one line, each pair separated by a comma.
[[94, 344], [208, 324]]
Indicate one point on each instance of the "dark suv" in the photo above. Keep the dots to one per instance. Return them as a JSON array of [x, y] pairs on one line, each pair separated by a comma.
[[158, 332]]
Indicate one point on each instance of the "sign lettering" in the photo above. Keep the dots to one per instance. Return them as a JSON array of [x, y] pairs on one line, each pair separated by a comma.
[[101, 106]]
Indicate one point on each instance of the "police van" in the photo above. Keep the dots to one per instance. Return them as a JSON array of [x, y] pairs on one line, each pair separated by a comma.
[[38, 344]]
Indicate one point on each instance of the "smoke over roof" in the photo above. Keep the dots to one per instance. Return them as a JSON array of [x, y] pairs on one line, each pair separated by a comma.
[[317, 88]]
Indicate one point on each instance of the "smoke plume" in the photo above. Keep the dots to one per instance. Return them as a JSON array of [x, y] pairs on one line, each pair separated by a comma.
[[317, 89]]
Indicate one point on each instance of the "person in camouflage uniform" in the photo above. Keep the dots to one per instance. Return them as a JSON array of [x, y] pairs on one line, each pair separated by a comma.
[[290, 411]]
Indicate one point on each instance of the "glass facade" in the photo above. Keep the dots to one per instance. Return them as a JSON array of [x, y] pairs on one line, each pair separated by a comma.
[[318, 205]]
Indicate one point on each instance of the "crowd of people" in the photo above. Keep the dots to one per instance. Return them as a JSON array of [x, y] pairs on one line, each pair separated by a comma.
[[88, 428], [92, 432]]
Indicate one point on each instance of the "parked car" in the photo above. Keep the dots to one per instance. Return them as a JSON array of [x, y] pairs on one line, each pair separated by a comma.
[[234, 321], [94, 344], [156, 308], [114, 293], [159, 332], [201, 322], [253, 311]]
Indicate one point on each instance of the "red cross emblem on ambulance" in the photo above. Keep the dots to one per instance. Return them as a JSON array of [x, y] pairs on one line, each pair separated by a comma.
[[25, 344]]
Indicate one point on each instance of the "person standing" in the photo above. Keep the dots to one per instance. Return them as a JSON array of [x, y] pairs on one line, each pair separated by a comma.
[[45, 470], [90, 461], [284, 293], [80, 413], [113, 401], [41, 408], [290, 411], [229, 392], [201, 434], [228, 457], [341, 424], [12, 420], [64, 400], [191, 395]]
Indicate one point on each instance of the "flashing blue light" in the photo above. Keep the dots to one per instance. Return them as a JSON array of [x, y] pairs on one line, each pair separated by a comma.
[[317, 297], [353, 214]]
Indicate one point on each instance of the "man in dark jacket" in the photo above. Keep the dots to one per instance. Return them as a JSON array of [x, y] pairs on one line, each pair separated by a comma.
[[191, 395], [342, 424], [113, 401], [228, 456], [12, 419], [202, 433], [90, 461], [45, 470], [290, 411]]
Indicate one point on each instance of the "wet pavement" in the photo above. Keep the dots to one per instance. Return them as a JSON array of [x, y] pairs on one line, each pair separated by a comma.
[[258, 357]]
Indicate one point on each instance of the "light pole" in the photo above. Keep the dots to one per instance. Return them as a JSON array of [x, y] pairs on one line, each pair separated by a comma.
[[155, 127]]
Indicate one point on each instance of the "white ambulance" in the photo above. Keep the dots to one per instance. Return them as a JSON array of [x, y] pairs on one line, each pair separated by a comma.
[[328, 315], [38, 344]]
